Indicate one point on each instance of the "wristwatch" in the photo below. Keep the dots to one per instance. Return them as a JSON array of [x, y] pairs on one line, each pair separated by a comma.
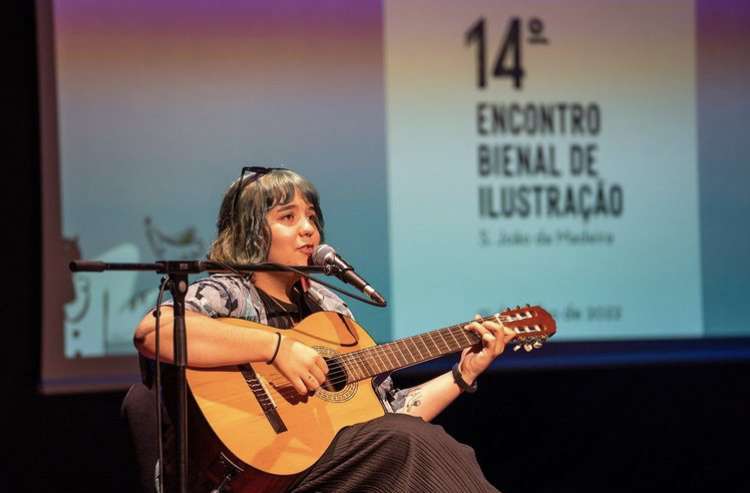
[[459, 379]]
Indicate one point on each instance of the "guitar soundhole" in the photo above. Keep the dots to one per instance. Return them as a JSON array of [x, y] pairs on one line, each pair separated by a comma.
[[336, 388], [337, 376]]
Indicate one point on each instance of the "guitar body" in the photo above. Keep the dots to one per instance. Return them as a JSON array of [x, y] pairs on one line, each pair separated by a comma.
[[264, 424], [251, 431]]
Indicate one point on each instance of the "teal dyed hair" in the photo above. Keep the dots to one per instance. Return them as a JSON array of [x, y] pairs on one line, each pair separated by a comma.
[[243, 236]]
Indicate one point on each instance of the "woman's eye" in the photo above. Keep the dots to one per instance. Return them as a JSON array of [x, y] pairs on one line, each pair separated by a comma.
[[287, 217]]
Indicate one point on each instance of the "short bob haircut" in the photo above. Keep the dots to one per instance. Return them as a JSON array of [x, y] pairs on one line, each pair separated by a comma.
[[243, 235]]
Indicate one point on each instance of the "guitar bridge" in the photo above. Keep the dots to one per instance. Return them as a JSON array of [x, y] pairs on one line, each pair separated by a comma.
[[264, 400]]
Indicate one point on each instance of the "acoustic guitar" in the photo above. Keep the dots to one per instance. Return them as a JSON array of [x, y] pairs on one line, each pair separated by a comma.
[[268, 433]]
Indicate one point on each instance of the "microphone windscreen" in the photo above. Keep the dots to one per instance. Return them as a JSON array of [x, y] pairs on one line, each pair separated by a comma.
[[320, 253]]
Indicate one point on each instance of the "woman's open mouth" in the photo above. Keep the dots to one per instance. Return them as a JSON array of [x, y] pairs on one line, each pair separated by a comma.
[[306, 249]]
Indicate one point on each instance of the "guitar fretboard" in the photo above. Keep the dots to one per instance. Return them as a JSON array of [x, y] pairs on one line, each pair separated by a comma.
[[406, 352]]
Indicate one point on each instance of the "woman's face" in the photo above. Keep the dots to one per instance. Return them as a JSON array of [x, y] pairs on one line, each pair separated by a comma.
[[294, 235]]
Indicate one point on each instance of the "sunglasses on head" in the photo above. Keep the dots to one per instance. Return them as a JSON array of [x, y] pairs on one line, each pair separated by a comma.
[[257, 172]]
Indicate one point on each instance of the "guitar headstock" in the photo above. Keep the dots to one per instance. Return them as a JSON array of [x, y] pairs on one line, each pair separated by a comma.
[[533, 325]]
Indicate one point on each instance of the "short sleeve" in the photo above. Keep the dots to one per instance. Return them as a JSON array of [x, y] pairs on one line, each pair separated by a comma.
[[215, 297], [392, 397]]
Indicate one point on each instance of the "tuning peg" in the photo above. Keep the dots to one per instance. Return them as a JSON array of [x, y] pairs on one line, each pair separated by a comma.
[[518, 307], [516, 347], [528, 347], [528, 306], [537, 344]]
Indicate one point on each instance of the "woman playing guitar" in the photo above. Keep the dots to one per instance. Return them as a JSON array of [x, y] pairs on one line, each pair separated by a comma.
[[273, 215]]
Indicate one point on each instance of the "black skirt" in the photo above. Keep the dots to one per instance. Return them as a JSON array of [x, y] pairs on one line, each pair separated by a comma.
[[395, 453]]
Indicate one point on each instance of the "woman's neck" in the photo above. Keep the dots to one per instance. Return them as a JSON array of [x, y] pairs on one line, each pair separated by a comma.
[[277, 284]]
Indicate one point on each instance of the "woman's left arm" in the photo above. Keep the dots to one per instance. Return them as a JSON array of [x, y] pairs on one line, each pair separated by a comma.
[[427, 400]]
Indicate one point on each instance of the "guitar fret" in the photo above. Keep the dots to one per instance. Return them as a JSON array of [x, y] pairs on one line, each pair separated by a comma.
[[389, 353], [398, 345], [416, 346], [365, 360], [373, 359], [459, 340], [448, 347], [439, 338], [351, 367], [417, 340], [457, 330], [362, 362], [354, 367], [392, 347], [379, 354], [436, 350], [343, 360], [465, 335], [392, 354], [422, 338], [442, 343], [411, 350], [450, 331], [414, 359]]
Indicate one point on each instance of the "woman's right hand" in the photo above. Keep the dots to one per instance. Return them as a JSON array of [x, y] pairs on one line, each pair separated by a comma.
[[305, 369]]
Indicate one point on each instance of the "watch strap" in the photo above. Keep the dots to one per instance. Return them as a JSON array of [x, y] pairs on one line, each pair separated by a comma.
[[459, 379]]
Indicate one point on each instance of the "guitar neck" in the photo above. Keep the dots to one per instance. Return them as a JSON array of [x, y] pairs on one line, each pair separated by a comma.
[[410, 351]]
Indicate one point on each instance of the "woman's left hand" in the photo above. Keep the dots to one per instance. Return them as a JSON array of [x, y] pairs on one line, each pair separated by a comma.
[[475, 360]]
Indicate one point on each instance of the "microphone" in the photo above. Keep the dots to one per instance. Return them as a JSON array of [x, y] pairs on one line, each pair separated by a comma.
[[325, 256]]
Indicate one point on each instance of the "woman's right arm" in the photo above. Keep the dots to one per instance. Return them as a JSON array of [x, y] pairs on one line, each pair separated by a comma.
[[213, 343]]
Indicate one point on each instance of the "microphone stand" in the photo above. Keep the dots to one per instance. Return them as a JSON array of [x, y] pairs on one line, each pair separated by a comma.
[[177, 272]]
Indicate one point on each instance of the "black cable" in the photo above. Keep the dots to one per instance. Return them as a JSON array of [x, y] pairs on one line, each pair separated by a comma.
[[246, 276], [157, 385], [157, 315]]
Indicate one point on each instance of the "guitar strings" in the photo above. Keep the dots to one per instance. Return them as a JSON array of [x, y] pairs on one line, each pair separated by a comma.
[[367, 358], [431, 341], [287, 396], [362, 361], [284, 390]]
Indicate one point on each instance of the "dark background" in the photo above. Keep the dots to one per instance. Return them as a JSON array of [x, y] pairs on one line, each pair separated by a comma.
[[678, 427]]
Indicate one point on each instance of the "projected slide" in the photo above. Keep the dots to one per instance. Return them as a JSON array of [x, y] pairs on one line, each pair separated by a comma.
[[537, 157], [586, 157]]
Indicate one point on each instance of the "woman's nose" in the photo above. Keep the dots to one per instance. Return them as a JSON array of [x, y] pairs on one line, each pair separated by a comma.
[[307, 228]]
